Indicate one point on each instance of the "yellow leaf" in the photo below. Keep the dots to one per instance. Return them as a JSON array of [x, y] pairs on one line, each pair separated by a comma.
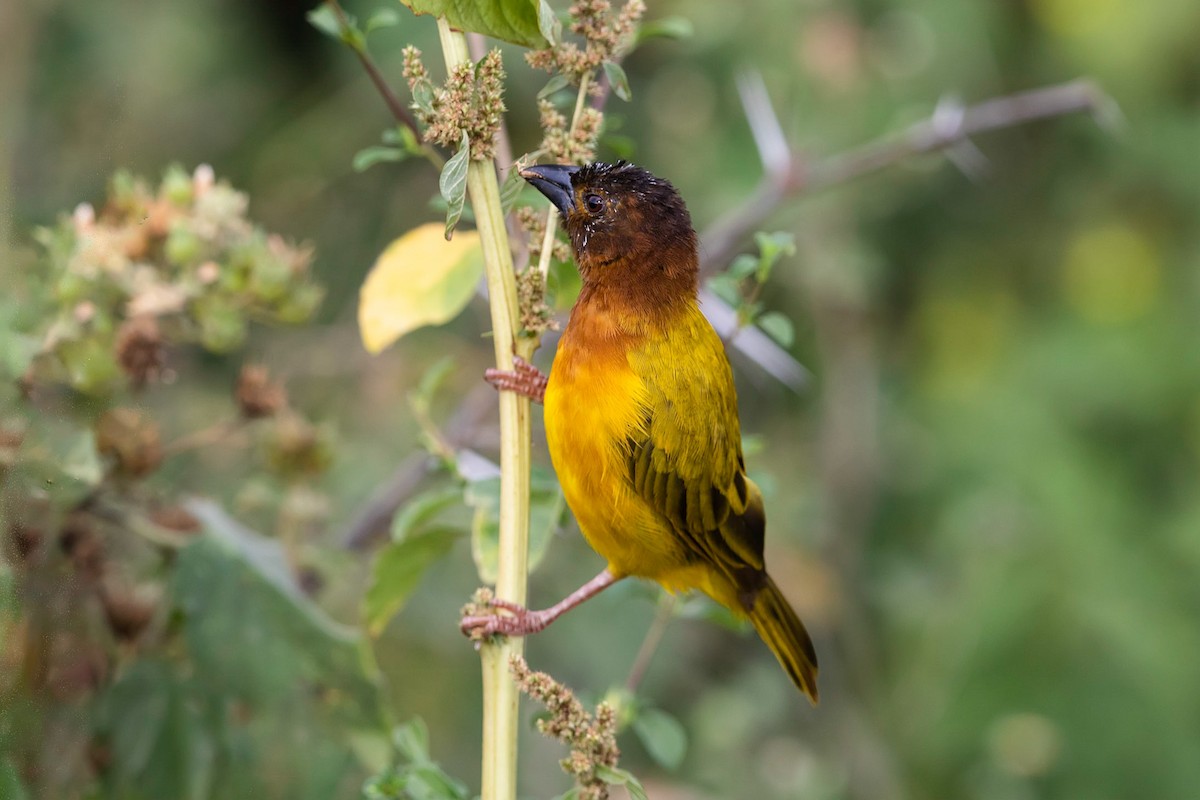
[[420, 279]]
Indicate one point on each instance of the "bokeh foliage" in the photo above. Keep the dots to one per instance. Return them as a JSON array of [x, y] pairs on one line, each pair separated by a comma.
[[986, 505]]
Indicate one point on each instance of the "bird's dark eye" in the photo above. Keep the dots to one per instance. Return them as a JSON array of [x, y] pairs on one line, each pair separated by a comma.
[[594, 203]]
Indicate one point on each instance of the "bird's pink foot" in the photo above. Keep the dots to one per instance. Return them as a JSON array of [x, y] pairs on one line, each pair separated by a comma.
[[525, 379]]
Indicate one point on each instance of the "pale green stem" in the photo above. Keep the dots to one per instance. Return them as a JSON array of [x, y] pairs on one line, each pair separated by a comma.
[[499, 774], [552, 212]]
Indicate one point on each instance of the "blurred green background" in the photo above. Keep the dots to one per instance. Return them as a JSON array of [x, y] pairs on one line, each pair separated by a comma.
[[986, 504]]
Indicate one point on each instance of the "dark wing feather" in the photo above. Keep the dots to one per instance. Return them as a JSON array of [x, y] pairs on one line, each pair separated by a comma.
[[685, 460]]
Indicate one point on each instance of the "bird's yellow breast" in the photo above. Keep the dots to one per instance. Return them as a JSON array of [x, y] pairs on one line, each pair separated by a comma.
[[595, 401]]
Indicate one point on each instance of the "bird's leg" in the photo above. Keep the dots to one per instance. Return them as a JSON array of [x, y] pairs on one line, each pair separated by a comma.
[[521, 621], [524, 379]]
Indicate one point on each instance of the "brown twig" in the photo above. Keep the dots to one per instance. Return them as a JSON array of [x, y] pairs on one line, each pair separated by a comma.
[[653, 638], [949, 126], [399, 112]]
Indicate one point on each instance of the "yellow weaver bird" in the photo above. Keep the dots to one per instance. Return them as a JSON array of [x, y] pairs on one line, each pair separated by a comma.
[[641, 415]]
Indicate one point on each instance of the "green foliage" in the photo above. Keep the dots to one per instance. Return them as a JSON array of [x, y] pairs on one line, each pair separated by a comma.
[[663, 736], [546, 510], [399, 567], [615, 776], [517, 21], [985, 510], [618, 80], [413, 775], [453, 183], [742, 283]]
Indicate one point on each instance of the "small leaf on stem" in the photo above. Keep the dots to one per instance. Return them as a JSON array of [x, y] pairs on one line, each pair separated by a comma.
[[453, 184], [665, 28], [778, 327], [663, 737], [549, 23], [617, 79], [369, 156], [557, 82], [382, 18], [397, 571], [510, 190], [616, 776]]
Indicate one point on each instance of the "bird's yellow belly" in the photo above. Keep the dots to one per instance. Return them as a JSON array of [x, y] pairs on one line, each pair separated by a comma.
[[590, 410]]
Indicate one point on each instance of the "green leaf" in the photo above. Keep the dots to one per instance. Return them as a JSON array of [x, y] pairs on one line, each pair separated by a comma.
[[453, 183], [254, 635], [548, 23], [411, 740], [382, 18], [17, 351], [743, 266], [770, 247], [398, 570], [546, 509], [325, 19], [423, 97], [428, 782], [665, 28], [617, 79], [553, 85], [515, 21], [367, 157], [11, 787], [620, 145], [432, 379], [615, 776], [778, 327], [662, 735], [725, 286], [133, 711], [420, 279], [401, 136], [57, 461], [423, 509], [510, 190]]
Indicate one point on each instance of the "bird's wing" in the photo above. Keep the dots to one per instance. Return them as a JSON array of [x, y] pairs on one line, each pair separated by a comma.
[[685, 456]]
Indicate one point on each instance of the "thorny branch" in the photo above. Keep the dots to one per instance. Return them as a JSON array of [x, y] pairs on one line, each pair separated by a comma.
[[950, 125], [786, 181], [390, 99]]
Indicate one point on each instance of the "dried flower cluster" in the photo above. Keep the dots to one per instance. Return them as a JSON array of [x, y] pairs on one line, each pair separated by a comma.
[[179, 263], [471, 100], [563, 145], [591, 737], [533, 222], [604, 33], [536, 316]]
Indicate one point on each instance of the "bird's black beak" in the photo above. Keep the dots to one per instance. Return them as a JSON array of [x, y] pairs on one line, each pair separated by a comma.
[[554, 181]]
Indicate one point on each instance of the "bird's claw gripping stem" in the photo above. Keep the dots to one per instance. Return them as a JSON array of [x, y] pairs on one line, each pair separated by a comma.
[[525, 379], [520, 621]]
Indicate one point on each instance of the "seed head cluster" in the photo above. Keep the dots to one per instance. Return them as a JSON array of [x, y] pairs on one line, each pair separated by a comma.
[[591, 737], [605, 36], [471, 100], [563, 145]]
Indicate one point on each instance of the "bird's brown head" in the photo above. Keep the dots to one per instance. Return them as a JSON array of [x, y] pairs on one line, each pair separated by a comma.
[[629, 228]]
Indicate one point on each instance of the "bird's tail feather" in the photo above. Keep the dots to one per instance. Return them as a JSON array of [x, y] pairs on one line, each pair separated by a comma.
[[784, 633]]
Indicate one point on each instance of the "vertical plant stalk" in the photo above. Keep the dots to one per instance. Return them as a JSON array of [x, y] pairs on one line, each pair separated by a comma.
[[552, 212], [500, 696]]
